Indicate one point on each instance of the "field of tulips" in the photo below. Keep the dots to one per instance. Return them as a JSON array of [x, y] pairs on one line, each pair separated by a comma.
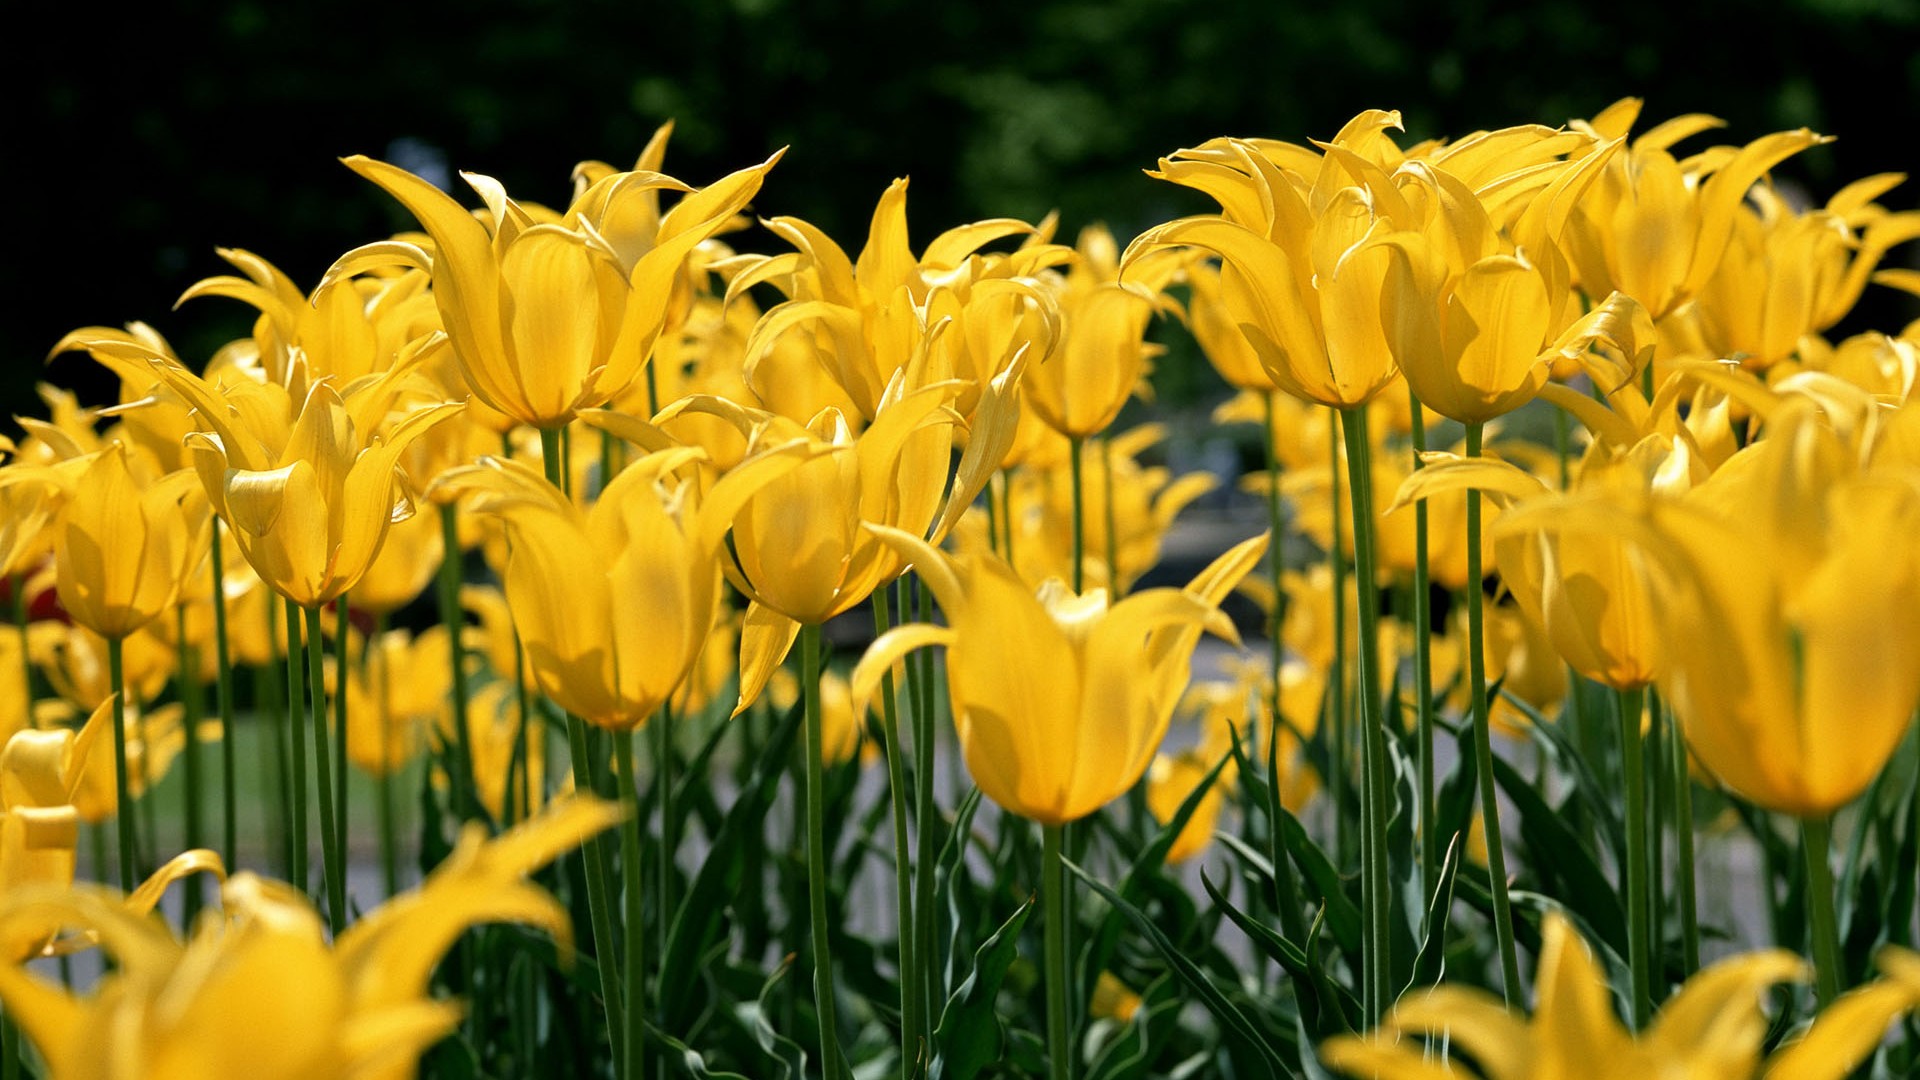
[[652, 638]]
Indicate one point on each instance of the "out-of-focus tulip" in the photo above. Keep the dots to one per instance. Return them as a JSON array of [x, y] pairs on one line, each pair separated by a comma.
[[1789, 274], [395, 695], [259, 992], [405, 564], [40, 774], [550, 318], [1653, 227], [1712, 1027], [155, 737], [614, 604], [74, 661], [1059, 700], [120, 546], [1145, 501], [504, 753]]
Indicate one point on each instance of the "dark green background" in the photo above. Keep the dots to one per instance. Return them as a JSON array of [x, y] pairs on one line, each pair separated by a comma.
[[137, 145]]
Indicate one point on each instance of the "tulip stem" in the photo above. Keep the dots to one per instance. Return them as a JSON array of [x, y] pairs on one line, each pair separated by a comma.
[[634, 957], [1113, 543], [1635, 888], [1816, 836], [296, 728], [599, 913], [920, 690], [1683, 848], [1337, 678], [123, 813], [1430, 839], [1074, 446], [272, 699], [187, 683], [1054, 939], [229, 794], [451, 617], [831, 1064], [1483, 749], [911, 1024], [389, 847], [1659, 777], [341, 627], [1286, 894], [664, 902], [1375, 888], [332, 867]]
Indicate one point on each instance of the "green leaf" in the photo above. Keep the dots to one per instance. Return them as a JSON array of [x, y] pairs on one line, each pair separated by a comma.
[[1328, 1008], [968, 1038], [1191, 974], [1561, 858], [789, 1057], [722, 875], [1430, 963]]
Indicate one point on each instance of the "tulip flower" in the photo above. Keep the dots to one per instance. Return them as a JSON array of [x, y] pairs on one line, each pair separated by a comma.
[[550, 318], [1654, 228], [1712, 1027], [120, 550], [614, 605], [1057, 708], [260, 992], [1080, 389]]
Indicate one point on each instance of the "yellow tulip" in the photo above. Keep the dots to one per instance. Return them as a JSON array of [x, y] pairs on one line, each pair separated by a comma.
[[120, 546], [1786, 275], [74, 661], [1059, 700], [259, 992], [395, 694], [1653, 227], [40, 776], [549, 318], [1080, 389], [348, 328], [1712, 1029], [495, 637], [311, 504], [866, 318], [495, 734], [1145, 501], [613, 605], [407, 560], [1849, 1030], [1791, 659]]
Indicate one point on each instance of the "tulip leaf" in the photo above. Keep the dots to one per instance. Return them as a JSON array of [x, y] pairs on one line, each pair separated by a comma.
[[1099, 951], [722, 878], [949, 869], [788, 1056], [1328, 1008], [968, 1038], [695, 1064], [1430, 963], [1343, 915], [1131, 1053], [1560, 856], [1210, 995], [1596, 799]]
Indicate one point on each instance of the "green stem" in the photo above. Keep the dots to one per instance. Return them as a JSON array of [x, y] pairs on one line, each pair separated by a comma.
[[1375, 887], [1430, 839], [229, 792], [340, 626], [599, 913], [926, 819], [1634, 888], [1683, 849], [634, 955], [831, 1063], [332, 866], [1337, 757], [297, 748], [1816, 833], [1660, 787], [187, 679], [1074, 445], [1287, 897], [1483, 742], [464, 805], [123, 815], [912, 1030], [389, 843], [1113, 542], [9, 1049], [665, 904], [1054, 939], [1006, 515]]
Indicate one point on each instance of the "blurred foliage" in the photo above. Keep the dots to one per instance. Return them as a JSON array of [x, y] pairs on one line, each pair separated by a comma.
[[144, 138]]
